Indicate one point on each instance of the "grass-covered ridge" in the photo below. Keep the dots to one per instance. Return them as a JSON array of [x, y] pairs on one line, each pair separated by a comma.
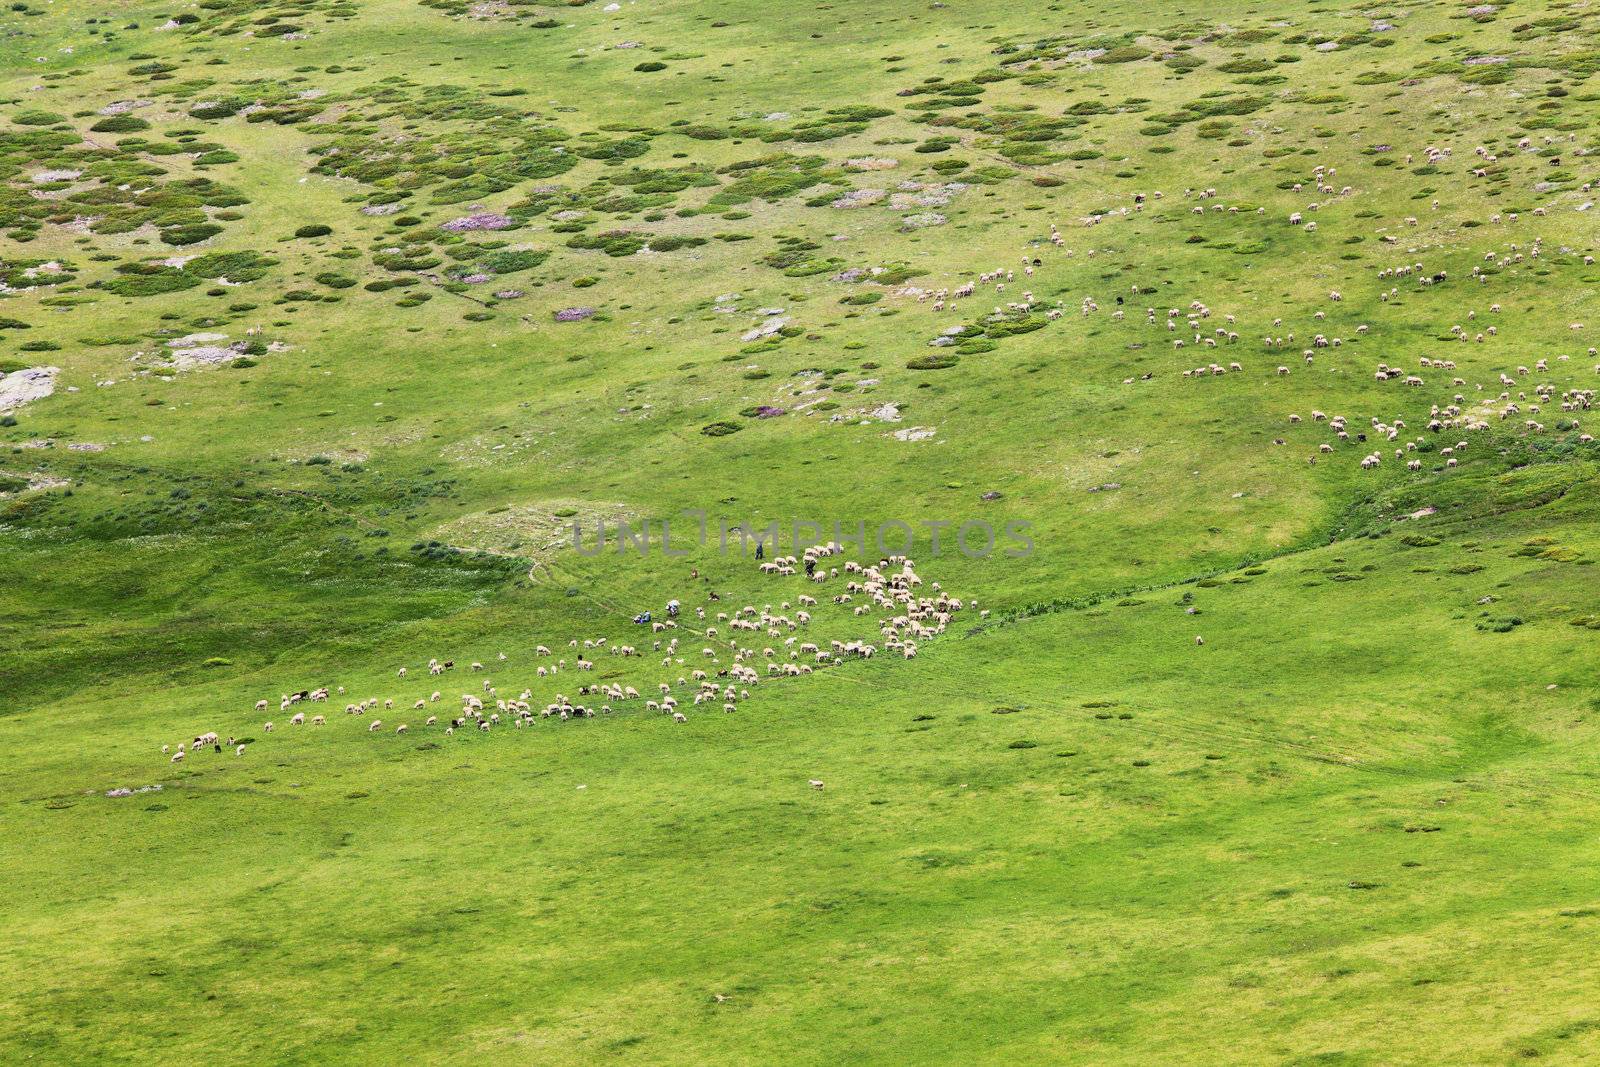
[[321, 322]]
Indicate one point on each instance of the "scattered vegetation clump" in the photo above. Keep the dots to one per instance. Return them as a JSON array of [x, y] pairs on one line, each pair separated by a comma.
[[150, 279], [120, 124], [1127, 53], [772, 178]]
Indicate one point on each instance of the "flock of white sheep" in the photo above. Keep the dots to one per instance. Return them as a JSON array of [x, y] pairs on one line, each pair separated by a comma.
[[1471, 406], [725, 672]]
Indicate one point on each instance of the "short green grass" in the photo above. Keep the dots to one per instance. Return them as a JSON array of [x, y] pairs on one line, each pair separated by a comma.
[[1352, 826]]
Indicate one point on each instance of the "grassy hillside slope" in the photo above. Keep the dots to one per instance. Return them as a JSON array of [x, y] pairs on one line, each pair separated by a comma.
[[320, 320]]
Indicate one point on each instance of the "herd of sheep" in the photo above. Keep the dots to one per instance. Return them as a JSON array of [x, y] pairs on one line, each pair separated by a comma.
[[1517, 394], [724, 673]]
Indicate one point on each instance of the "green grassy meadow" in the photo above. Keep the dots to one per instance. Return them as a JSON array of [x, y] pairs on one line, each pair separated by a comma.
[[320, 320]]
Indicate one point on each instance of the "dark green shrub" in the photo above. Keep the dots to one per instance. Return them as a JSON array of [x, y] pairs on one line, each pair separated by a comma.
[[120, 124]]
